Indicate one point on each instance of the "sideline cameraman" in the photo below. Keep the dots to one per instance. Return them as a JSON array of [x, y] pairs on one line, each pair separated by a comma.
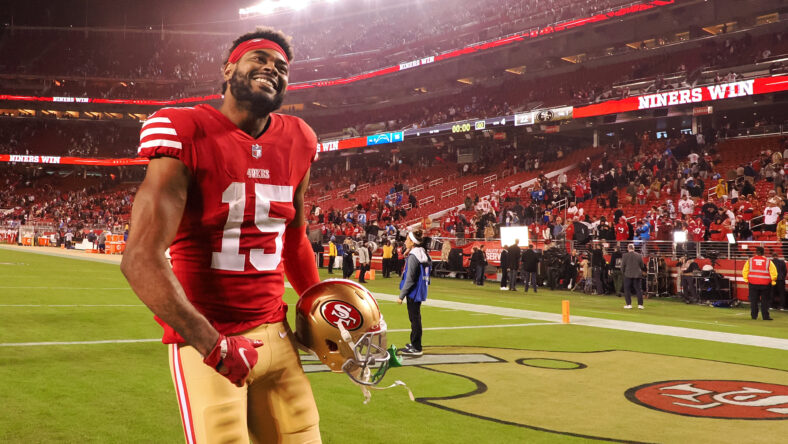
[[688, 288]]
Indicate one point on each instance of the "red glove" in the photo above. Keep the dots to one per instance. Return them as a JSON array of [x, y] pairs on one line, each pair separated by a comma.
[[233, 357]]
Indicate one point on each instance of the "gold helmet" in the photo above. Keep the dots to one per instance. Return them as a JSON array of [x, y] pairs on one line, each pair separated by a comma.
[[340, 322]]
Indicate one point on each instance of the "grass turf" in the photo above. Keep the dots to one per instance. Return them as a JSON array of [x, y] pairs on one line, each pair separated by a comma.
[[122, 392]]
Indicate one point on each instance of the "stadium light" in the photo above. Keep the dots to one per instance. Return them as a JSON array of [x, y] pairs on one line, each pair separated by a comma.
[[272, 6]]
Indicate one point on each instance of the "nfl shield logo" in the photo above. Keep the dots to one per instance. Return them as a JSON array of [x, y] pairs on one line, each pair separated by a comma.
[[257, 151]]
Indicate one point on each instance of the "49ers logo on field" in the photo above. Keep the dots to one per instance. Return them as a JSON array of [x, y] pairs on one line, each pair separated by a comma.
[[714, 398], [335, 312]]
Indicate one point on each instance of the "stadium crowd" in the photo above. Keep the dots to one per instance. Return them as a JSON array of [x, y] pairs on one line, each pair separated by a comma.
[[191, 57], [68, 137], [66, 205]]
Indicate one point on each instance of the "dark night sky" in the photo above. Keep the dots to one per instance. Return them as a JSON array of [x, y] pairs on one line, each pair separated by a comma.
[[112, 13]]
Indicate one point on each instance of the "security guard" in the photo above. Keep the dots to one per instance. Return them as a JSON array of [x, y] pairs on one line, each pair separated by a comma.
[[760, 273]]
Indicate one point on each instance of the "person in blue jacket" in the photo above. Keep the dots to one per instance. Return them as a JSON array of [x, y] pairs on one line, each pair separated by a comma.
[[642, 235], [415, 280]]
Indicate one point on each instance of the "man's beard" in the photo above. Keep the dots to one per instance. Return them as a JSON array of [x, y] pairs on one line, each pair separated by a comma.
[[258, 103]]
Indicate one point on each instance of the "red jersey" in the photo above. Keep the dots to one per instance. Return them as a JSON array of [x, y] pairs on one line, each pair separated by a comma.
[[622, 231], [697, 231], [227, 253], [745, 210]]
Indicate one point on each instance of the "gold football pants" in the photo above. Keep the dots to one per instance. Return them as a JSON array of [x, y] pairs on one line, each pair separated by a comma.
[[276, 405]]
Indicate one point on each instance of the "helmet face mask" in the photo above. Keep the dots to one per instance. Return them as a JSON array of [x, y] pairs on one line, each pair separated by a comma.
[[340, 322]]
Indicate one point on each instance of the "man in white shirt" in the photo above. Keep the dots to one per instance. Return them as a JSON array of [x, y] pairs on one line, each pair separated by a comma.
[[686, 206], [571, 212], [771, 214], [693, 158]]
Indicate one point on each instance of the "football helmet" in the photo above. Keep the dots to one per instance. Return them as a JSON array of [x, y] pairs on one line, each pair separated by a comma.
[[339, 321]]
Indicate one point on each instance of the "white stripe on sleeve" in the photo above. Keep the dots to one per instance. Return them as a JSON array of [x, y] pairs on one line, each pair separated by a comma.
[[161, 142], [156, 120], [158, 130]]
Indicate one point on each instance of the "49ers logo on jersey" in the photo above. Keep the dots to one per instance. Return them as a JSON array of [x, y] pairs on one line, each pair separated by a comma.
[[714, 398], [336, 312]]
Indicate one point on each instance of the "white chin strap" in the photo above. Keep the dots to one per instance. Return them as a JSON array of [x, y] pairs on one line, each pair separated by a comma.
[[364, 373]]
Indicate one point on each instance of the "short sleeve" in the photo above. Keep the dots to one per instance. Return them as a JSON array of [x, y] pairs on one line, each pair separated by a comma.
[[310, 140], [164, 134]]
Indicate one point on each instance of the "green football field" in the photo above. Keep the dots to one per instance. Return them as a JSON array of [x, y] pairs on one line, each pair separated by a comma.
[[82, 363]]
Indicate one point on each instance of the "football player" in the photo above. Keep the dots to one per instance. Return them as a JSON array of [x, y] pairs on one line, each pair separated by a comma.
[[224, 190]]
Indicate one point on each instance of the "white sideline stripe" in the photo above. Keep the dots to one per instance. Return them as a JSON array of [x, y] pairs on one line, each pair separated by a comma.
[[635, 327], [71, 288], [124, 341], [73, 305], [109, 341], [703, 322], [70, 254], [465, 327]]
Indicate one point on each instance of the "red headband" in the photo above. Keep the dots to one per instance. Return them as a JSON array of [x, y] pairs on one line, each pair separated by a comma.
[[254, 44]]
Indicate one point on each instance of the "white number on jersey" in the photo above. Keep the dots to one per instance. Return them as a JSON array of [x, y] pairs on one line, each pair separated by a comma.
[[235, 195]]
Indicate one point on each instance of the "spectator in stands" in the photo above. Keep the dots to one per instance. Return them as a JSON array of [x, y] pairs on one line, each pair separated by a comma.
[[782, 234], [622, 231], [642, 234], [771, 215]]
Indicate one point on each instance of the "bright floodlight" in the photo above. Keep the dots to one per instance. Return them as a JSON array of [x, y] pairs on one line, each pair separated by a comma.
[[509, 234], [679, 237], [271, 6]]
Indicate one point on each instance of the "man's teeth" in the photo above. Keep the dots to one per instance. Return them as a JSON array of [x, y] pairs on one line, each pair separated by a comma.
[[265, 81]]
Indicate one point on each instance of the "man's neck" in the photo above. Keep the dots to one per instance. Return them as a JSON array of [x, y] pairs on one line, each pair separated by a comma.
[[244, 119]]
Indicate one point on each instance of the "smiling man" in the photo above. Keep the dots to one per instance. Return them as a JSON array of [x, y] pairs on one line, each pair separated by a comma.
[[224, 191]]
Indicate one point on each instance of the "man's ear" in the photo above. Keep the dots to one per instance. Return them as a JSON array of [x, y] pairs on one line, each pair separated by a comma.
[[227, 71]]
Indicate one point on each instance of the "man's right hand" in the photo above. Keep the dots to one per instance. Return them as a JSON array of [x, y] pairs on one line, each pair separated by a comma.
[[233, 357]]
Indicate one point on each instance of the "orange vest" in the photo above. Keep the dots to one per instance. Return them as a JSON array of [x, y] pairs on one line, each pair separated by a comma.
[[759, 271]]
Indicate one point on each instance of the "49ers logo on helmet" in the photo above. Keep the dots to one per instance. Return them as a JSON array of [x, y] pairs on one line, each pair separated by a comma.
[[336, 312], [714, 398]]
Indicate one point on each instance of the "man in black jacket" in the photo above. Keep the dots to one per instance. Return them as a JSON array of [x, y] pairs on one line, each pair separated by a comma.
[[504, 259], [514, 264], [530, 266], [478, 262], [778, 290], [597, 264]]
